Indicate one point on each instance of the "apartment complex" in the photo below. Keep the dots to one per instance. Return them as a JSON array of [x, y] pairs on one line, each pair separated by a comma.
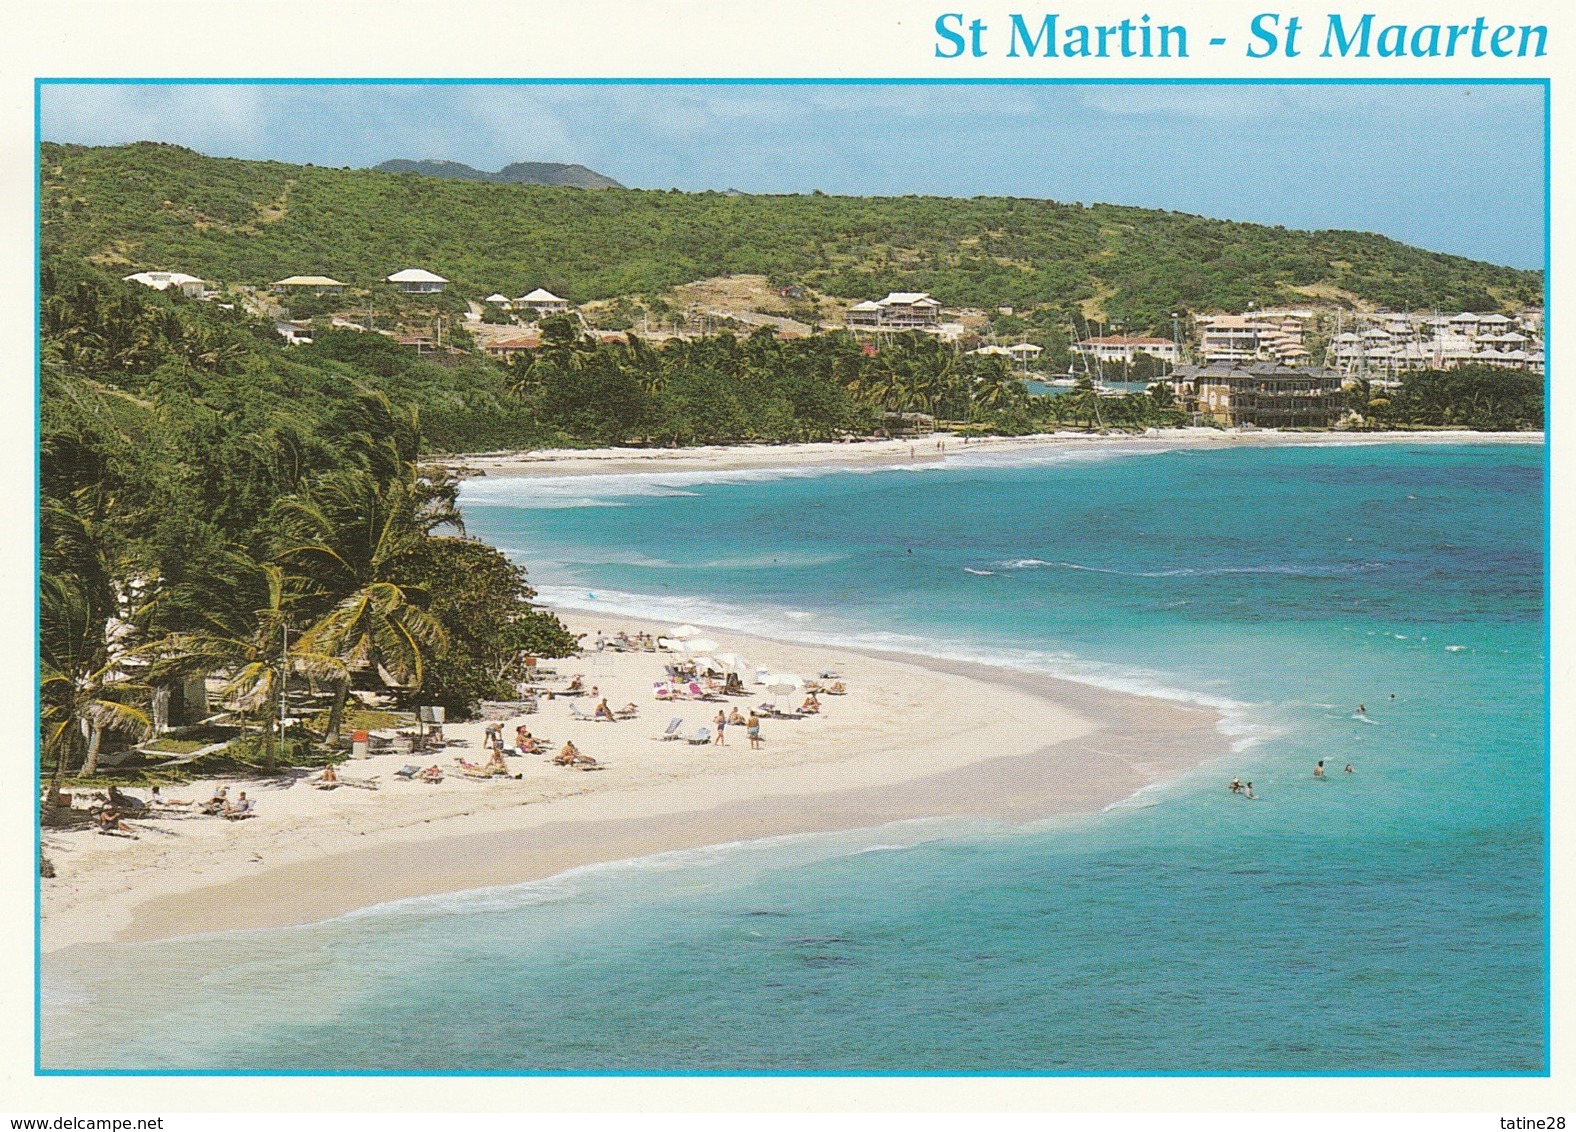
[[1263, 394], [1385, 344], [1262, 336]]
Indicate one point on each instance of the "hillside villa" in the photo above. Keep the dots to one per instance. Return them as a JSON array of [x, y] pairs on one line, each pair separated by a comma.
[[317, 284], [416, 281], [900, 310], [544, 302], [164, 280]]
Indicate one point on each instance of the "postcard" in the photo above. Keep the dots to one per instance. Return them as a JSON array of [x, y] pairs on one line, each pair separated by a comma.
[[978, 559]]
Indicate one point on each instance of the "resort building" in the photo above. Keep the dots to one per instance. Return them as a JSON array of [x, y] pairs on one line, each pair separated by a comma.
[[416, 281], [1121, 348], [498, 300], [1377, 347], [164, 280], [1263, 395], [1237, 339], [317, 284], [900, 310], [543, 301]]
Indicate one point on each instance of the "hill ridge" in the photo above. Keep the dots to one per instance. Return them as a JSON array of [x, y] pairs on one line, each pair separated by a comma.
[[516, 173], [141, 206]]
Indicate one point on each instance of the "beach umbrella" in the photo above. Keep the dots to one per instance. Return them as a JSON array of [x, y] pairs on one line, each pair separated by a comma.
[[733, 662], [700, 645], [682, 631], [708, 664], [781, 683]]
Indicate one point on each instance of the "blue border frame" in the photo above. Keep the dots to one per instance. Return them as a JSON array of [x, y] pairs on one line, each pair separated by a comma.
[[39, 83]]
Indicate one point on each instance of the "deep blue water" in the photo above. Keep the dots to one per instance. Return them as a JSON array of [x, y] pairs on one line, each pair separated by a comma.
[[1389, 921]]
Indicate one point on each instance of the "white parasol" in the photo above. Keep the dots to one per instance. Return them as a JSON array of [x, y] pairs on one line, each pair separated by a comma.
[[682, 631], [700, 646], [733, 662]]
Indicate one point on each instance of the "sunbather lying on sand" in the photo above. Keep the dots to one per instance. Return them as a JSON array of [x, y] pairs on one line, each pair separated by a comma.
[[836, 689], [811, 705], [110, 825], [736, 718], [220, 799], [433, 773], [571, 756]]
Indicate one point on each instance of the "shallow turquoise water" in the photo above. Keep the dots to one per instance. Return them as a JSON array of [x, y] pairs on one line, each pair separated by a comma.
[[1389, 921]]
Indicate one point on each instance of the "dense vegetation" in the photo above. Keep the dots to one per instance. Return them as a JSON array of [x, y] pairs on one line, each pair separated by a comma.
[[155, 205], [1473, 397], [204, 492]]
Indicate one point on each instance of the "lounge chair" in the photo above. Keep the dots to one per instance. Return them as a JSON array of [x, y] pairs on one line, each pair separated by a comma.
[[673, 729], [576, 713], [241, 810], [700, 737], [408, 771]]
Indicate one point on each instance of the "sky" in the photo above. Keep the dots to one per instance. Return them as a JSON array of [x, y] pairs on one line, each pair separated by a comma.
[[1455, 169]]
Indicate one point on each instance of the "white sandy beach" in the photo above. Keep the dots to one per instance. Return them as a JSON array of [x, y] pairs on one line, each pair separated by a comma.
[[927, 449], [909, 740]]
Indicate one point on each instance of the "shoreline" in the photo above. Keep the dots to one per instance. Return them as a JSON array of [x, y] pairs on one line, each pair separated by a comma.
[[916, 737], [898, 453]]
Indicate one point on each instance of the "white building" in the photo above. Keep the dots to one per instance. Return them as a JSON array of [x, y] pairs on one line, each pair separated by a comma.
[[416, 281], [900, 310], [317, 284], [1124, 348], [544, 301], [164, 280]]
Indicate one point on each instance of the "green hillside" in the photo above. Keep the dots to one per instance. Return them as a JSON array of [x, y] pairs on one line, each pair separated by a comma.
[[153, 205]]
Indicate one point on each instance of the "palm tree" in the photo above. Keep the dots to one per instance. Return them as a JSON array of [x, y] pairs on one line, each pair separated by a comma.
[[248, 646], [353, 536], [83, 689]]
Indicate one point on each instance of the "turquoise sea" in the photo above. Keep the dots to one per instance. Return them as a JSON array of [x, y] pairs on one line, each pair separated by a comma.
[[1389, 921]]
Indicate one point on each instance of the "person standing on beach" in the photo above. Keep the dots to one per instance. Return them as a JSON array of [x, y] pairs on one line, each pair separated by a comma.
[[752, 728], [721, 724]]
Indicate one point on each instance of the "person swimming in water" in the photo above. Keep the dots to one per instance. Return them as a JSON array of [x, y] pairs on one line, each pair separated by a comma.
[[1249, 794], [1348, 769], [1236, 786], [1318, 769], [1362, 709]]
